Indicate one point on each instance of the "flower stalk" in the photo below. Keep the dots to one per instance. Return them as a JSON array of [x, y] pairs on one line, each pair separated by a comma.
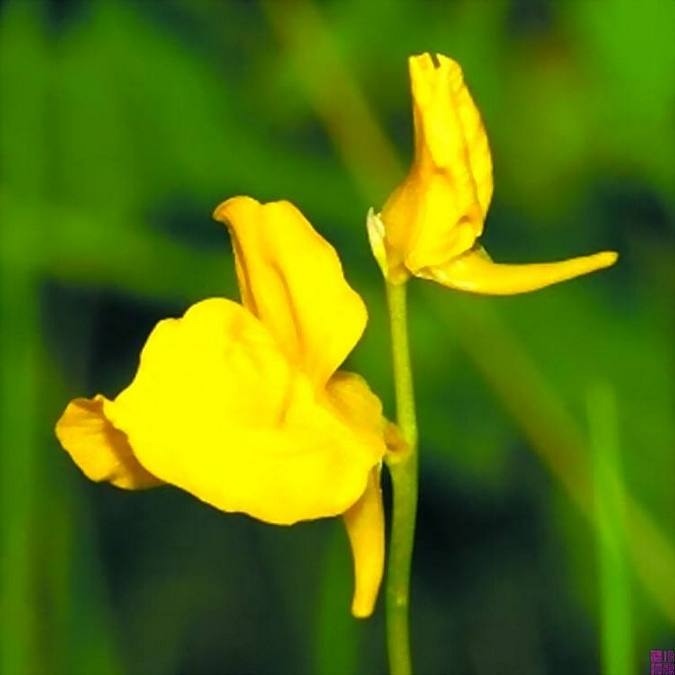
[[402, 464]]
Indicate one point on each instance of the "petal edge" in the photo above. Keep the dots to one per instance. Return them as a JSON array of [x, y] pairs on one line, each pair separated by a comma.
[[100, 450]]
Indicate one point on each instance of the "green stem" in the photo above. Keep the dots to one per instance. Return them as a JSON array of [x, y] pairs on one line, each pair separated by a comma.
[[403, 470]]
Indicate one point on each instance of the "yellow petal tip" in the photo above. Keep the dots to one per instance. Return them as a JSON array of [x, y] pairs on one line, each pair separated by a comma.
[[606, 258], [223, 212], [365, 528], [362, 610]]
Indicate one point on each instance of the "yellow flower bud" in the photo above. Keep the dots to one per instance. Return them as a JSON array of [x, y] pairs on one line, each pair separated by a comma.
[[431, 224]]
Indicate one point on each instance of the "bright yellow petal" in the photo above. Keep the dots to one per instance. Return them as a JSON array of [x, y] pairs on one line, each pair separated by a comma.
[[476, 273], [355, 403], [102, 452], [365, 526], [217, 410], [292, 280], [438, 211], [449, 131]]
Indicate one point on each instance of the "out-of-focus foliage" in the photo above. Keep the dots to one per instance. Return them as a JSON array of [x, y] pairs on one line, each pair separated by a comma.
[[123, 123]]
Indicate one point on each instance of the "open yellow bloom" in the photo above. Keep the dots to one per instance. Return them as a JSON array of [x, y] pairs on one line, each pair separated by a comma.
[[430, 225], [242, 404]]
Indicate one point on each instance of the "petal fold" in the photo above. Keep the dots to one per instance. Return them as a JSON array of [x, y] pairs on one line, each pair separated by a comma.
[[100, 450], [365, 528], [292, 280], [476, 273]]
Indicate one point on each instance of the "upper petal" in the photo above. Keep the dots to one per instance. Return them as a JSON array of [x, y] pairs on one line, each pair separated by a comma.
[[98, 448], [475, 272], [438, 211], [292, 280], [449, 131], [217, 409]]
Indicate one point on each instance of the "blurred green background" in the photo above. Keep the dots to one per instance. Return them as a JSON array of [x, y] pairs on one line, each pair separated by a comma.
[[545, 541]]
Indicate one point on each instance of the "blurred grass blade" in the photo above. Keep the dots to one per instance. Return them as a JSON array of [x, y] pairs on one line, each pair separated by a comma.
[[336, 98], [23, 62], [609, 509], [555, 436], [19, 421]]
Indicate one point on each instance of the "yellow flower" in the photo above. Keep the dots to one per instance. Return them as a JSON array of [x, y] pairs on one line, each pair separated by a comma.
[[242, 404], [430, 225]]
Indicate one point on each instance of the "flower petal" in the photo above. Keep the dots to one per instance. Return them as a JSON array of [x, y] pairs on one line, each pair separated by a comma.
[[98, 448], [292, 280], [449, 131], [352, 399], [217, 410], [438, 211], [476, 273], [365, 527]]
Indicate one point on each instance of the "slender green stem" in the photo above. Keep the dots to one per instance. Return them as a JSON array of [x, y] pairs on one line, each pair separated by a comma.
[[403, 469]]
